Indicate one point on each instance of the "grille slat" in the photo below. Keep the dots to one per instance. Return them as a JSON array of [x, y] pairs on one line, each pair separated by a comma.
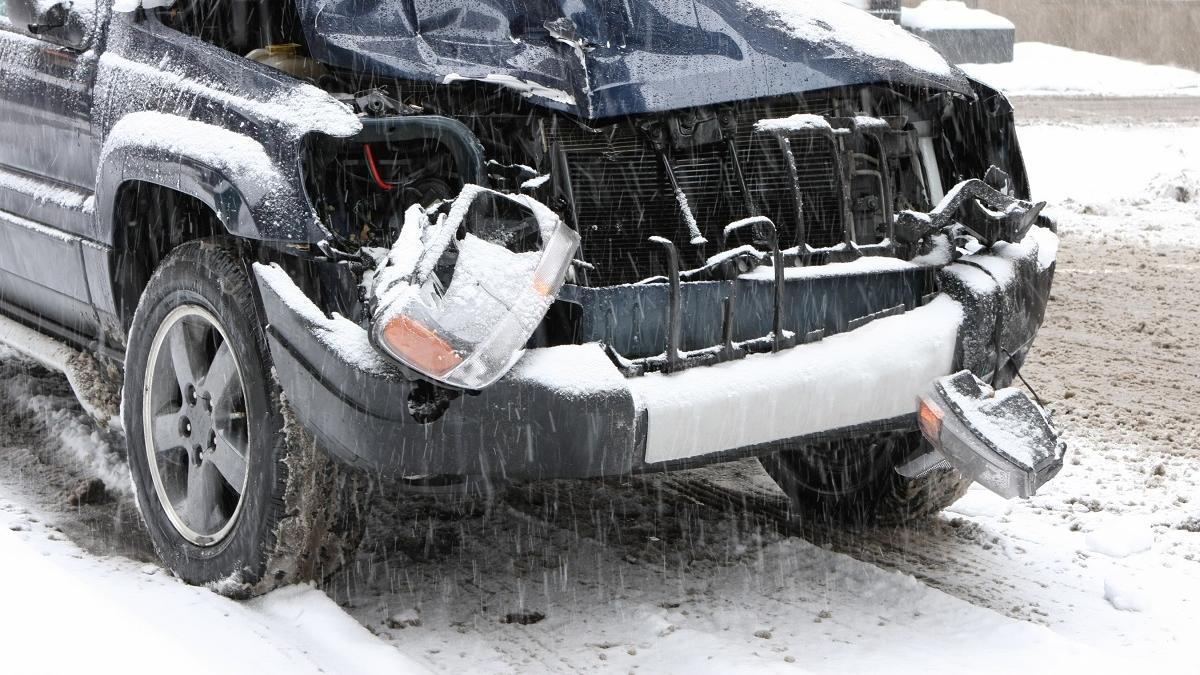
[[622, 195]]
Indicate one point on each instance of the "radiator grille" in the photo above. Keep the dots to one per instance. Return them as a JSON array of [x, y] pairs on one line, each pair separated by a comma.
[[622, 195]]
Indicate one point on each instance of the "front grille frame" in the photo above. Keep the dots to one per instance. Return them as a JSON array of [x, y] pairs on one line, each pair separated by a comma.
[[619, 193]]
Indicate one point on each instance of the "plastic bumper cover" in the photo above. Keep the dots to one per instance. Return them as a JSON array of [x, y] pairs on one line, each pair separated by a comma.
[[567, 411]]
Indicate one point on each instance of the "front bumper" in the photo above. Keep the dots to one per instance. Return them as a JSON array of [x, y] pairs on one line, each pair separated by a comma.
[[568, 411]]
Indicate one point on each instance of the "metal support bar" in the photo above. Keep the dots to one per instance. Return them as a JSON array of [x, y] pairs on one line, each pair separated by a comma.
[[727, 348], [845, 168], [887, 215], [674, 309], [877, 133], [747, 197], [886, 171], [779, 340], [695, 237], [785, 144]]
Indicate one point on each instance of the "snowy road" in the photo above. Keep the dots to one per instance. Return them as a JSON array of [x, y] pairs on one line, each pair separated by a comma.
[[699, 572]]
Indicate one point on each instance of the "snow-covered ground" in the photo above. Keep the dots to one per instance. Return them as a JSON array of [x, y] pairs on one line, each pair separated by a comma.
[[699, 572], [67, 611], [1039, 69], [1138, 184]]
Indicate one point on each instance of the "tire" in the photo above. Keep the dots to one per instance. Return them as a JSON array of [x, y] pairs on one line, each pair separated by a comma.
[[202, 413], [853, 482]]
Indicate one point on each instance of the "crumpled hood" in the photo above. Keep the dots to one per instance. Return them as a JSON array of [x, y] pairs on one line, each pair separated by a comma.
[[604, 58]]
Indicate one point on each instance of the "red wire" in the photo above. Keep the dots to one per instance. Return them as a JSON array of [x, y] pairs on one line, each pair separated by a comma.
[[383, 185]]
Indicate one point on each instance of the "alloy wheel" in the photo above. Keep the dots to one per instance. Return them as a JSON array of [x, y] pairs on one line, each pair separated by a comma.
[[194, 415]]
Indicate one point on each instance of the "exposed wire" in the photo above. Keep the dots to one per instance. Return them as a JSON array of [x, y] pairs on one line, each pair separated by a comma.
[[996, 337], [379, 181], [1016, 369]]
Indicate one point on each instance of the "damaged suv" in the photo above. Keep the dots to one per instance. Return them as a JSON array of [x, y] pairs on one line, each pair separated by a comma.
[[295, 245]]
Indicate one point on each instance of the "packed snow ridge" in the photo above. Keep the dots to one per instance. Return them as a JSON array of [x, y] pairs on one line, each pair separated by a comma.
[[795, 123]]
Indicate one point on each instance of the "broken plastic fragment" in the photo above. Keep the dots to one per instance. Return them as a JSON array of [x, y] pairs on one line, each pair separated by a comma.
[[1000, 438], [468, 284]]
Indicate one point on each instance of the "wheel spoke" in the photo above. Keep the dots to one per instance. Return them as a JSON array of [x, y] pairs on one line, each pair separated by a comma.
[[230, 462], [167, 432], [200, 503], [222, 380], [187, 355]]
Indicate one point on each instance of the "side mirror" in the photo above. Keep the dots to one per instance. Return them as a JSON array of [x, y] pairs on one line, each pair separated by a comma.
[[53, 18], [59, 23]]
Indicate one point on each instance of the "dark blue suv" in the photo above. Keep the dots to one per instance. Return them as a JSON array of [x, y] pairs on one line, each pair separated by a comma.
[[296, 245]]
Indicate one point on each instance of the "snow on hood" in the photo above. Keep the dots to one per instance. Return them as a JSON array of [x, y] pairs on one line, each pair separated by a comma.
[[598, 58], [853, 32]]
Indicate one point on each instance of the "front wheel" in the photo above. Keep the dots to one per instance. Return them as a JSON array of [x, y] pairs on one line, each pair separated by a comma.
[[854, 481], [234, 493]]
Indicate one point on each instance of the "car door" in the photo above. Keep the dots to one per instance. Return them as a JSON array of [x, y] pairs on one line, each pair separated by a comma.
[[47, 163]]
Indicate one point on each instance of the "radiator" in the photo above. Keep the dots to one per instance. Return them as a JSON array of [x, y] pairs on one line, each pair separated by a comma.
[[622, 195]]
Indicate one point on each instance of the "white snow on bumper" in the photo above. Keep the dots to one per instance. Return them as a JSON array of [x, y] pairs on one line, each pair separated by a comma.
[[873, 373]]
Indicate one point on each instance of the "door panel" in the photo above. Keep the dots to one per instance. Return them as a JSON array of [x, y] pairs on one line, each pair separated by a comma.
[[47, 177], [46, 94], [41, 271]]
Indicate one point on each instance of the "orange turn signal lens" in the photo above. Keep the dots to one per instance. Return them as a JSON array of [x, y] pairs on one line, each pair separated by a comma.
[[420, 347], [929, 419]]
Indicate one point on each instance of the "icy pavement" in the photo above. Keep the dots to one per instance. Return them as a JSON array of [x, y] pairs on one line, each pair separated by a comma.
[[700, 572]]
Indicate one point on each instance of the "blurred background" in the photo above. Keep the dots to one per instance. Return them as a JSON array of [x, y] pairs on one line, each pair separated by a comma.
[[976, 31]]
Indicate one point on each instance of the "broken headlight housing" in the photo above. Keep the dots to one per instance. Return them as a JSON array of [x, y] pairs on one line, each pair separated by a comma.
[[467, 285], [999, 438]]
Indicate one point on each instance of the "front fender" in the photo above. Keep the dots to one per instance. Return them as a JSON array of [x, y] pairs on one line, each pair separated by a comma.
[[173, 110], [252, 194], [980, 133]]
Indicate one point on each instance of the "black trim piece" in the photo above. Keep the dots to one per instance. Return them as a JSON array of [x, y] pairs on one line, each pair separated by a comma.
[[55, 330]]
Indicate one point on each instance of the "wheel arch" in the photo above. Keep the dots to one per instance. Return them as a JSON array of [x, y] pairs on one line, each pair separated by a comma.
[[149, 219]]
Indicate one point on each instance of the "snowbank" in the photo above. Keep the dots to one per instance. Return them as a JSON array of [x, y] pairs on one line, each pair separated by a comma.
[[1039, 69], [67, 612], [1135, 183], [951, 15], [1120, 538]]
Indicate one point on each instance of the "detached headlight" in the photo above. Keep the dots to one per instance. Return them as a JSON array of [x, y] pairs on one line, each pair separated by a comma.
[[465, 321], [999, 438]]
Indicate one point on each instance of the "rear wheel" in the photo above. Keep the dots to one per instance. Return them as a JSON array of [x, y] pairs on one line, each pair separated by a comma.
[[234, 493], [854, 481]]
